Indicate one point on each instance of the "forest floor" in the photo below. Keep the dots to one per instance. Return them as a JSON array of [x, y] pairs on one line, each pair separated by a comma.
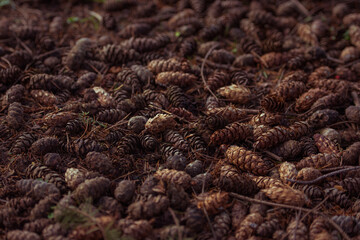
[[189, 119]]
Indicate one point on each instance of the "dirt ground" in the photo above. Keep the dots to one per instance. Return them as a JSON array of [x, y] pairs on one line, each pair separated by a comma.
[[189, 119]]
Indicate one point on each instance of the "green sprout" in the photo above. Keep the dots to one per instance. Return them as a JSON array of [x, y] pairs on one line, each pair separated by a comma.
[[50, 215], [84, 216], [101, 124], [346, 35], [265, 74], [70, 20], [177, 34], [5, 3], [93, 18], [84, 116], [227, 30], [87, 120], [308, 19]]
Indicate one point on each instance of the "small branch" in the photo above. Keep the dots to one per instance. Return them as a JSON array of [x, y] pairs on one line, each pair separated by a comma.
[[315, 208], [244, 198], [334, 168], [334, 59], [289, 114], [204, 180], [323, 176], [176, 220], [2, 65], [24, 46], [355, 87], [202, 70], [250, 111], [122, 121], [91, 218], [260, 59], [336, 226], [93, 68], [7, 61], [342, 122], [217, 65], [274, 156], [301, 8], [352, 63], [167, 112], [356, 98], [96, 15], [208, 220], [46, 54]]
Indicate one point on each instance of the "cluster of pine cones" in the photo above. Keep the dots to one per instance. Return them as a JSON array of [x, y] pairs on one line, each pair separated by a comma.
[[180, 119]]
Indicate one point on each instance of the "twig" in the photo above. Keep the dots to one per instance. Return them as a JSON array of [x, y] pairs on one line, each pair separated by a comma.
[[204, 180], [289, 108], [280, 78], [274, 156], [2, 65], [260, 59], [249, 199], [244, 198], [125, 175], [96, 15], [334, 168], [309, 112], [7, 61], [356, 98], [301, 8], [210, 225], [202, 70], [351, 63], [293, 232], [93, 68], [86, 128], [355, 87], [337, 227], [218, 65], [122, 121], [323, 176], [167, 112], [38, 57], [248, 110], [176, 220], [24, 46], [334, 59], [289, 114], [92, 219], [314, 209], [342, 122]]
